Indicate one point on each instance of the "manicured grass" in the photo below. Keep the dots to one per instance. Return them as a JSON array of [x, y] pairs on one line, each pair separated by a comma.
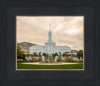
[[30, 66]]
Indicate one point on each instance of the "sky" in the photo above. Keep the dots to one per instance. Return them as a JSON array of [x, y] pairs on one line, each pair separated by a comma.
[[66, 30]]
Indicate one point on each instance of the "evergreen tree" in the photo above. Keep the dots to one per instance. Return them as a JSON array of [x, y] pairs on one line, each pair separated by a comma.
[[20, 53], [80, 54]]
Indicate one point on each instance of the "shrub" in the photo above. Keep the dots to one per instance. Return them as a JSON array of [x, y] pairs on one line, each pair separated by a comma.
[[33, 60], [69, 59], [59, 59], [53, 58], [40, 59], [54, 61], [20, 61], [27, 55], [66, 59]]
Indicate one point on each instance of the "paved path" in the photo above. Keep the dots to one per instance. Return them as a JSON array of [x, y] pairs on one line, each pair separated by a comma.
[[37, 63]]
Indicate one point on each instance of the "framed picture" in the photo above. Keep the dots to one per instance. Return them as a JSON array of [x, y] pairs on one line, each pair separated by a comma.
[[35, 54], [56, 43]]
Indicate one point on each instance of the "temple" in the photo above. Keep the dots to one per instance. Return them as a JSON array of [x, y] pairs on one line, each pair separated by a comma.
[[49, 47]]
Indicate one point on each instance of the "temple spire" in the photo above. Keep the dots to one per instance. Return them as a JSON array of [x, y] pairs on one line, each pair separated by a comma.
[[50, 27], [50, 34]]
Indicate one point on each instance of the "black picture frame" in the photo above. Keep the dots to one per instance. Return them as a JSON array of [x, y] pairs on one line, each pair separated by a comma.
[[8, 73]]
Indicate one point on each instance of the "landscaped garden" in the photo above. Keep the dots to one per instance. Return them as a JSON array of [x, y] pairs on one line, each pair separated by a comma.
[[43, 61]]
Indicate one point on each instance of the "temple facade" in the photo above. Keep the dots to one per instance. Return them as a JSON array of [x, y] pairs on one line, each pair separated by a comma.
[[49, 47]]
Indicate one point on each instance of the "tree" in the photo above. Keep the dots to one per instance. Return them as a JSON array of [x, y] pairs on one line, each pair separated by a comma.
[[35, 54], [56, 54], [44, 54], [65, 54], [39, 54], [60, 53], [80, 54], [20, 53]]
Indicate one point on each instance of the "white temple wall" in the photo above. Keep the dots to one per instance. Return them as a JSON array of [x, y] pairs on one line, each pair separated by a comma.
[[49, 47]]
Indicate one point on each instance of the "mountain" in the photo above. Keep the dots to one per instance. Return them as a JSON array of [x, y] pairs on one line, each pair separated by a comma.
[[25, 46]]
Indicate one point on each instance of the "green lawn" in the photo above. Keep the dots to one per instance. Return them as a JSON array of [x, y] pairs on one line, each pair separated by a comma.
[[30, 66]]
